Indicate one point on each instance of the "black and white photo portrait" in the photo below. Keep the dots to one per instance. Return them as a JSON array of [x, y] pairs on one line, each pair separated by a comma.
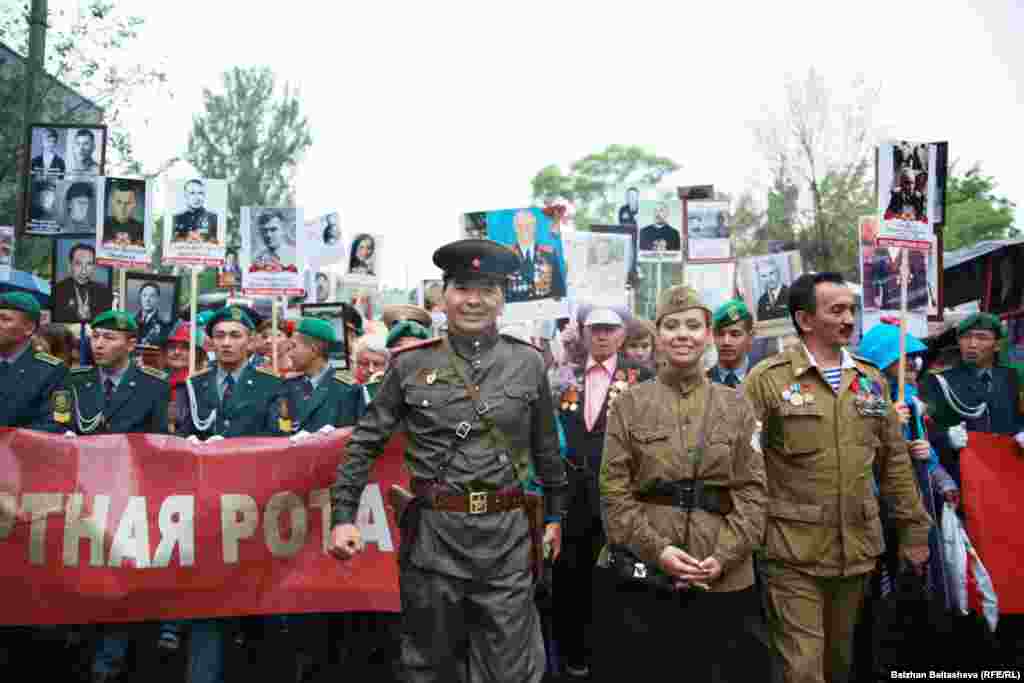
[[631, 209], [151, 300], [331, 233], [363, 256], [474, 225], [273, 238], [195, 222], [45, 211], [765, 281], [78, 213], [85, 150], [48, 149], [321, 287], [707, 231], [81, 290], [124, 222]]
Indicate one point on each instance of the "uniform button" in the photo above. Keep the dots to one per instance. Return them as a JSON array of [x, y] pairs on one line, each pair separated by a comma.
[[227, 423], [476, 363], [426, 403]]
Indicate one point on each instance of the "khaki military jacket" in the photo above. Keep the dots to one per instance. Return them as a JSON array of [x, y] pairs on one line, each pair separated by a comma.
[[820, 449], [652, 436]]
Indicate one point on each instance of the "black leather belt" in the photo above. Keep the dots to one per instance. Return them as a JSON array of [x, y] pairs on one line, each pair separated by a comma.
[[442, 498], [689, 494]]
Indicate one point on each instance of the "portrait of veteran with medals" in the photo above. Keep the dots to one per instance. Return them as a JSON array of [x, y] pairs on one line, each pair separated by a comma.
[[115, 396], [477, 412], [682, 492]]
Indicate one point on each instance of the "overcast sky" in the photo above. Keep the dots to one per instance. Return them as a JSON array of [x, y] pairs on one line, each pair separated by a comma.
[[421, 111]]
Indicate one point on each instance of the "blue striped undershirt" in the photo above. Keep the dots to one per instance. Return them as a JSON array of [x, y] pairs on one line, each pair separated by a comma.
[[834, 377]]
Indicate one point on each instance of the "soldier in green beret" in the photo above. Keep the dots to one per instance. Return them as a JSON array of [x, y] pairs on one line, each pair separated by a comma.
[[733, 327], [320, 398], [979, 394], [27, 379], [406, 332], [115, 396], [230, 397]]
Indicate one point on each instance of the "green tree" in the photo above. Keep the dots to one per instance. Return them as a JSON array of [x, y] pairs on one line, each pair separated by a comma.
[[823, 146], [594, 184], [974, 212], [252, 138], [84, 53]]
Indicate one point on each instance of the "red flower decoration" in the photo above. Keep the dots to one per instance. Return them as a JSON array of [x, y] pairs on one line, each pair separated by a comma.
[[632, 375]]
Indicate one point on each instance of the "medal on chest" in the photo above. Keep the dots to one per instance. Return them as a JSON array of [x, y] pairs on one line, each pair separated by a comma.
[[798, 395], [869, 400]]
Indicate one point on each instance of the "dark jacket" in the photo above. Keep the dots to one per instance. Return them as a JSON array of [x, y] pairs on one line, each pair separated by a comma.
[[137, 406], [26, 389], [253, 410], [63, 300], [336, 401]]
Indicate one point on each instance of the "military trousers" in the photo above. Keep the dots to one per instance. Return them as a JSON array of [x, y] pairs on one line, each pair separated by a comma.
[[457, 630], [812, 620]]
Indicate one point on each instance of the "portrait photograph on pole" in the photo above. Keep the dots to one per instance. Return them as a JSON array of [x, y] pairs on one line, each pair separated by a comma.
[[764, 283], [911, 186], [598, 267], [127, 225], [660, 231], [195, 222], [6, 251], [364, 257], [326, 245], [707, 231], [80, 290], [153, 301], [537, 291], [271, 251], [881, 262]]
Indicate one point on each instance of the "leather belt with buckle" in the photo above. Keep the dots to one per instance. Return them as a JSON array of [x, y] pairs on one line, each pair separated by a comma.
[[478, 502], [689, 494]]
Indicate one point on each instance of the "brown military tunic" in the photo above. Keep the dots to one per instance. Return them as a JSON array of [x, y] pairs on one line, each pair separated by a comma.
[[823, 534], [652, 436], [819, 453]]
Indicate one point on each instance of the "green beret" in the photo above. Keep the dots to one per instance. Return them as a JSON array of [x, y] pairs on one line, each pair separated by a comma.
[[730, 313], [677, 299], [232, 314], [20, 301], [318, 328], [982, 321], [407, 328], [118, 321]]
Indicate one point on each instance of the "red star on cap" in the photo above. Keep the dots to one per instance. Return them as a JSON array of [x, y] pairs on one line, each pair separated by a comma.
[[476, 264]]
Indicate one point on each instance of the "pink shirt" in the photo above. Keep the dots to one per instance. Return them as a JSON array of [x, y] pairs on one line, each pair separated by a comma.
[[598, 379]]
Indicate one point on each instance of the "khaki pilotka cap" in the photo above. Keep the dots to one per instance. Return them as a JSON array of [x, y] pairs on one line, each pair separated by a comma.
[[678, 299]]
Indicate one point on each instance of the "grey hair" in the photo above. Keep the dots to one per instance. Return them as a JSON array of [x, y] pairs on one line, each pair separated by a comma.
[[374, 343]]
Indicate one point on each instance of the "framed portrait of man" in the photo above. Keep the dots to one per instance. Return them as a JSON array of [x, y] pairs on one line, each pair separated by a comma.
[[271, 251], [707, 231], [326, 244], [79, 204], [58, 153], [659, 234], [195, 226], [152, 300], [764, 283], [80, 290], [125, 231], [334, 313]]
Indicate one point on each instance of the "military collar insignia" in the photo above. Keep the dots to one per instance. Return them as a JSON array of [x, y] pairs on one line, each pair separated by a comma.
[[82, 368], [266, 370], [153, 372], [345, 377], [47, 358]]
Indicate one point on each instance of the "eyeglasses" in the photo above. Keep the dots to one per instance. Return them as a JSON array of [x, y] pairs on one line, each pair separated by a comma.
[[373, 365]]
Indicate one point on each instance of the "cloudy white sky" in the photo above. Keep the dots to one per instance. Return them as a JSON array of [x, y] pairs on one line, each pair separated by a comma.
[[421, 111]]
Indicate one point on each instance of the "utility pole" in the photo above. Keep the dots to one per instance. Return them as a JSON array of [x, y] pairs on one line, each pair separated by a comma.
[[33, 70]]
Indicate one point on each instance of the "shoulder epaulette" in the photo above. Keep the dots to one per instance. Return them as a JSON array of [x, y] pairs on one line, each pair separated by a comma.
[[772, 361], [512, 338], [47, 358], [345, 377], [153, 372], [267, 371], [81, 368], [418, 345], [202, 372]]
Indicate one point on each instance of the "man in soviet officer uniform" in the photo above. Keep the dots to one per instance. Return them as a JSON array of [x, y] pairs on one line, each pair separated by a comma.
[[827, 424], [27, 379], [231, 398], [980, 394], [319, 398], [477, 411], [115, 396], [195, 222], [733, 327]]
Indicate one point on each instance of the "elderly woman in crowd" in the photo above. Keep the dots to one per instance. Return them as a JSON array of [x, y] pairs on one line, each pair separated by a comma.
[[683, 496]]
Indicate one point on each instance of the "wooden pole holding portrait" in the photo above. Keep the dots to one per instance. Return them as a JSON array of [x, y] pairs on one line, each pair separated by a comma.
[[193, 309], [273, 334], [904, 277]]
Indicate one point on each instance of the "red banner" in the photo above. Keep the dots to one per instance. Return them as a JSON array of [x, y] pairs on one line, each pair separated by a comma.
[[992, 475], [142, 527]]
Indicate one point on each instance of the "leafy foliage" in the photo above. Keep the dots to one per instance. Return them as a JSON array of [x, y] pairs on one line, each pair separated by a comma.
[[974, 212], [595, 182]]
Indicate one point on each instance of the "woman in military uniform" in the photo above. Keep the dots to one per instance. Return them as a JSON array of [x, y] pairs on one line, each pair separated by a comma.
[[682, 495]]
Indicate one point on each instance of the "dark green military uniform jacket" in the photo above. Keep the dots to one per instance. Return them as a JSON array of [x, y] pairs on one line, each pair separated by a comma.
[[424, 394], [25, 390], [336, 401], [253, 410], [138, 404]]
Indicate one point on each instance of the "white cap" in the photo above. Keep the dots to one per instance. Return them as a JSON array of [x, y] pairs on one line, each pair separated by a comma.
[[603, 316]]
